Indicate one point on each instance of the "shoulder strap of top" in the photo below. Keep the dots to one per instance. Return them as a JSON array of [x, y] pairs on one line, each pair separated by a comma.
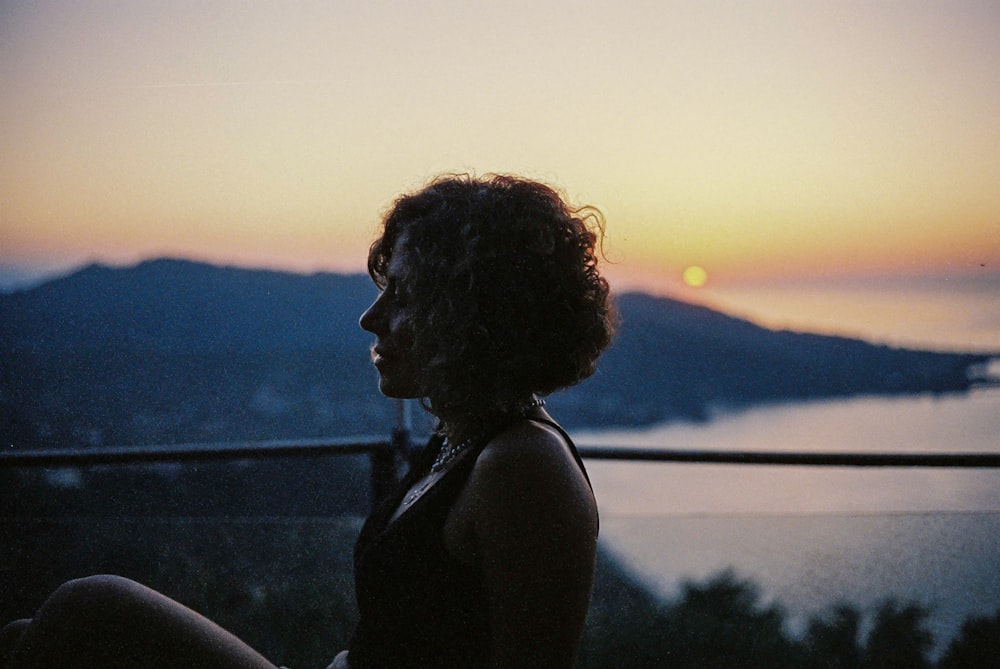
[[569, 441]]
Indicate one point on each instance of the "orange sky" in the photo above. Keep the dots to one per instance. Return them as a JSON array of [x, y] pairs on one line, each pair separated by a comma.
[[757, 140]]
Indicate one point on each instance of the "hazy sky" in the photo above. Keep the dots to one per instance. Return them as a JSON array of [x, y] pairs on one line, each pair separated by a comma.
[[756, 139]]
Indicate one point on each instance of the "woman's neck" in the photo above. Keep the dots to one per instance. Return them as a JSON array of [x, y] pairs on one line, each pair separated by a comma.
[[470, 423]]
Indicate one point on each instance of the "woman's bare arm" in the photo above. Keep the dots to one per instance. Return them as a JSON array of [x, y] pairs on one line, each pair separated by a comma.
[[534, 528]]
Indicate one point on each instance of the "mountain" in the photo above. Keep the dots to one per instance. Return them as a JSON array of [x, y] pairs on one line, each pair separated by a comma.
[[174, 351], [677, 359]]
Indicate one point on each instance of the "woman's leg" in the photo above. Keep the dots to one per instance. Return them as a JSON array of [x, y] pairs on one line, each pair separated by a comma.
[[109, 621], [10, 634]]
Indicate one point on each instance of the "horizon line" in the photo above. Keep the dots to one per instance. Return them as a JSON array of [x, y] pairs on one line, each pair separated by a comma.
[[16, 277]]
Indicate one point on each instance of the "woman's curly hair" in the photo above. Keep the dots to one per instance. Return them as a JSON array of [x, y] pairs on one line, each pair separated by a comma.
[[504, 281]]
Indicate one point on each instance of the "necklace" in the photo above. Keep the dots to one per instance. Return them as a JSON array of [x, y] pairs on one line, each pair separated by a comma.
[[450, 451]]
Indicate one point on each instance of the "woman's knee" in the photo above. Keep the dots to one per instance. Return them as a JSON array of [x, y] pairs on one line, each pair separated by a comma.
[[98, 584], [92, 596], [10, 635]]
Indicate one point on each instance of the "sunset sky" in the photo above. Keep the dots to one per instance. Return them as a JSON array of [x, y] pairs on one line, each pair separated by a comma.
[[758, 140]]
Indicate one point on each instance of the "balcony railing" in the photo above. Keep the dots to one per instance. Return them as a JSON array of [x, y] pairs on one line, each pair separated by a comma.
[[376, 446], [386, 453]]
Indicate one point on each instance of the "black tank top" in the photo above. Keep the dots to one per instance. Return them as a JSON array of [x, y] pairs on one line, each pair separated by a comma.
[[418, 605]]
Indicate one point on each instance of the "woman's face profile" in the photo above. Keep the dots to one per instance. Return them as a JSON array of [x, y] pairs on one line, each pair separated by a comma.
[[389, 319]]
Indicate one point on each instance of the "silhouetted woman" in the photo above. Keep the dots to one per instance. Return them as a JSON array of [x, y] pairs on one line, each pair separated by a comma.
[[484, 556]]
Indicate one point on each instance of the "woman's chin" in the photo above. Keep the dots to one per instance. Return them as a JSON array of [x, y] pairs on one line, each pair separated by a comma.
[[396, 390]]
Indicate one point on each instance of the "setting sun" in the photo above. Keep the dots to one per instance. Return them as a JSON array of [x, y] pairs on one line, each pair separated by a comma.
[[695, 276]]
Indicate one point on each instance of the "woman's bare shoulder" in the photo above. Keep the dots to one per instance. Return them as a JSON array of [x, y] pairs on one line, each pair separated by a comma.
[[530, 468]]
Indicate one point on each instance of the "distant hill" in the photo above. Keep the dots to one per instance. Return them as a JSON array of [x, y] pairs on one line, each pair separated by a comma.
[[176, 351]]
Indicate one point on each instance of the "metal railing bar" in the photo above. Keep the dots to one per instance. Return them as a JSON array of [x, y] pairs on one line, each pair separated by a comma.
[[375, 444], [825, 459], [194, 452]]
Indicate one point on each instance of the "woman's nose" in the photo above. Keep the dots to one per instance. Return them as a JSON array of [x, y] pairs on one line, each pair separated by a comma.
[[368, 320]]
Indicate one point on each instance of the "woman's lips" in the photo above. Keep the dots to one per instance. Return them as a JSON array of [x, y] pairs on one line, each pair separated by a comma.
[[378, 355]]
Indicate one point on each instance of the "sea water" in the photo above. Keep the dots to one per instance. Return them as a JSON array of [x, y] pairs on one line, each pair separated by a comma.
[[813, 537], [959, 312], [956, 423]]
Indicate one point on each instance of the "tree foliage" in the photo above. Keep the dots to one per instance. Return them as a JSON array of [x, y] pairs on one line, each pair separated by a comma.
[[977, 645]]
